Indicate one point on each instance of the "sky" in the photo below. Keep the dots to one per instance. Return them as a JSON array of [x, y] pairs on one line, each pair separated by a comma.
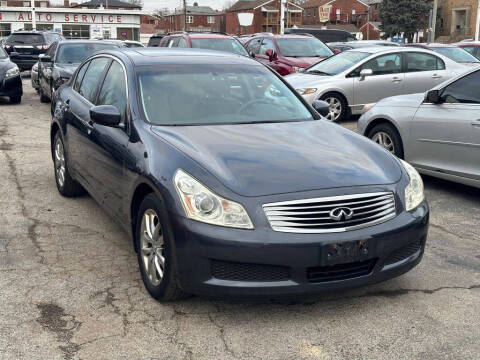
[[157, 4]]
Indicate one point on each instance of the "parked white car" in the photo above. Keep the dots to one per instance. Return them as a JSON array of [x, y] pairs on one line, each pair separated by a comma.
[[354, 80]]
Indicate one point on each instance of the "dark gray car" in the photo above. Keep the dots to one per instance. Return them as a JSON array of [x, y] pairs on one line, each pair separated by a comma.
[[438, 132]]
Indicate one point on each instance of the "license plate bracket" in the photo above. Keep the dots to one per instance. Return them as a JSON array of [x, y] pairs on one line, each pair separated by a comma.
[[346, 252]]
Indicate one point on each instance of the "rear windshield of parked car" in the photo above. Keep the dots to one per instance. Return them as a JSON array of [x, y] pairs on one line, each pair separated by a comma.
[[227, 45], [301, 47], [76, 53], [21, 39], [216, 94], [338, 63], [456, 54]]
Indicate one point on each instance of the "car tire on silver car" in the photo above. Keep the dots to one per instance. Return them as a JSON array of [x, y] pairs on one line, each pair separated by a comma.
[[387, 137], [154, 251], [338, 106]]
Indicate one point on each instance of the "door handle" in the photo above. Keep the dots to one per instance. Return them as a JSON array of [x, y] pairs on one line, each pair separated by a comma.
[[396, 79], [476, 123], [436, 76]]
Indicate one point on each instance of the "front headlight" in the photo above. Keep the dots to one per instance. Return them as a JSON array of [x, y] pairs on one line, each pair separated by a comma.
[[12, 72], [203, 205], [35, 67], [307, 91], [414, 191], [368, 107]]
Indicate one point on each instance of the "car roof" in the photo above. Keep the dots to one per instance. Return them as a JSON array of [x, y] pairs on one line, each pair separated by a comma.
[[153, 56], [31, 32], [201, 35], [433, 45], [73, 41]]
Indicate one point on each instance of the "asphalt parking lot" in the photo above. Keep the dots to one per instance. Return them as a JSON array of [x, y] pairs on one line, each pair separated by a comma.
[[70, 287]]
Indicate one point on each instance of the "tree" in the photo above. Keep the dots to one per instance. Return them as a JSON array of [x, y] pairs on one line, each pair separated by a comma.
[[403, 16]]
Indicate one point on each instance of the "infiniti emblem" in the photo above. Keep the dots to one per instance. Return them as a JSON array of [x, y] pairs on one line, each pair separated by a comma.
[[341, 214]]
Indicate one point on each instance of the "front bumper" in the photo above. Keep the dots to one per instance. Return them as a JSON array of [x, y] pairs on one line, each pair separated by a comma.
[[294, 261], [11, 86]]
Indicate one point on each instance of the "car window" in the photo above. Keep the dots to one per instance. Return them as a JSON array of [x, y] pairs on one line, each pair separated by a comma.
[[456, 54], [336, 64], [470, 49], [114, 88], [80, 74], [26, 38], [423, 62], [164, 42], [303, 47], [173, 42], [51, 50], [385, 64], [464, 90], [217, 94], [89, 86], [182, 43], [254, 46], [219, 44], [266, 45], [75, 53]]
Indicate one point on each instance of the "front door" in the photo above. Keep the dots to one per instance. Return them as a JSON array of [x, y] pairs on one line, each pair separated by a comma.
[[387, 80], [446, 137]]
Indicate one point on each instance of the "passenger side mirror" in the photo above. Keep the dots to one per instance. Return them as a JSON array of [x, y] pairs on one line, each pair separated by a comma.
[[107, 115], [321, 107], [45, 59], [365, 72], [252, 54], [433, 96], [13, 54], [272, 55]]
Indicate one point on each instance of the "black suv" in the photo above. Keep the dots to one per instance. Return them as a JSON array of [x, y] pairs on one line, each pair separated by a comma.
[[155, 40], [25, 46]]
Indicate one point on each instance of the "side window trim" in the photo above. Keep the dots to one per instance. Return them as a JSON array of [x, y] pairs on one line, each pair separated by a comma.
[[102, 77], [76, 76]]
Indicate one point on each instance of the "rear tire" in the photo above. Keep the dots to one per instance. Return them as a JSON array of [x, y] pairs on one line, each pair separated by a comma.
[[387, 137], [338, 106], [15, 99], [156, 260], [66, 185]]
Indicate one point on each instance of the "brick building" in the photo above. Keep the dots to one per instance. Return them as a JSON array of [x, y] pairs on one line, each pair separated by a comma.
[[108, 4], [199, 18], [356, 12], [266, 16], [456, 19]]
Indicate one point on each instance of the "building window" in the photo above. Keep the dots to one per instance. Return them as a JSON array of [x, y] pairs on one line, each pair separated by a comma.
[[309, 13], [76, 31], [354, 11], [338, 14], [4, 4], [43, 4], [211, 19], [40, 27], [189, 19], [27, 4], [5, 30]]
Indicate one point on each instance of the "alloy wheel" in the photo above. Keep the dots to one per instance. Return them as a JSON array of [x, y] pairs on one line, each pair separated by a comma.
[[335, 108], [152, 247], [60, 162], [384, 140]]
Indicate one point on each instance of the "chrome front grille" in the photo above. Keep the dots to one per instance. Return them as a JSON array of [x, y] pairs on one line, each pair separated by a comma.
[[331, 214]]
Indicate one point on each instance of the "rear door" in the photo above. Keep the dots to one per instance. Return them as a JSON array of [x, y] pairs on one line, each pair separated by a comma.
[[446, 137], [387, 79], [423, 71]]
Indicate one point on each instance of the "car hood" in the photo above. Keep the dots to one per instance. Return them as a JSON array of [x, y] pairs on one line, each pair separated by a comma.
[[301, 80], [410, 100], [266, 159], [303, 62], [66, 70]]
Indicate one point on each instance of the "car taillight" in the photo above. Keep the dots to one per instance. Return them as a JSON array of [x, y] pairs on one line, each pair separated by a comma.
[[42, 47], [6, 47]]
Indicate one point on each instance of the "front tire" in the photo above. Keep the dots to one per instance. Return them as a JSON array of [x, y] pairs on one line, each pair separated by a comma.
[[154, 245], [338, 106], [65, 184], [387, 137]]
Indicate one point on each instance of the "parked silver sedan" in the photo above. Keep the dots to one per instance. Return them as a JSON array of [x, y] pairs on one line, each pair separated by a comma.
[[438, 132], [354, 80]]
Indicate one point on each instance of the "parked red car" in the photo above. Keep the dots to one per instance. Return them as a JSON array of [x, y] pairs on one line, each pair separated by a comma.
[[204, 40], [473, 48], [288, 54]]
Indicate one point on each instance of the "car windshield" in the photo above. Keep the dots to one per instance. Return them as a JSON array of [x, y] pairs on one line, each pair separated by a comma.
[[25, 39], [303, 47], [227, 45], [71, 53], [456, 54], [338, 63], [216, 94]]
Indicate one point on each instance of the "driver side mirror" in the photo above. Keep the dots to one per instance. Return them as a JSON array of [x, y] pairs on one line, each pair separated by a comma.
[[365, 72], [45, 59], [272, 55], [321, 107], [433, 96], [107, 115]]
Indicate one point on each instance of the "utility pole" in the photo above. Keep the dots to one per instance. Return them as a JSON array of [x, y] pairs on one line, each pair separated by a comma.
[[106, 4], [282, 17], [477, 23], [368, 23], [34, 20], [434, 19], [184, 15]]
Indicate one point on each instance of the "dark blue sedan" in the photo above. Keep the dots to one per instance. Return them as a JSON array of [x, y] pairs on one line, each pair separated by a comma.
[[228, 182]]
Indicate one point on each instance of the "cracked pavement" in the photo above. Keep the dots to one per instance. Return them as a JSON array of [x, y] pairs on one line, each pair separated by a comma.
[[70, 287]]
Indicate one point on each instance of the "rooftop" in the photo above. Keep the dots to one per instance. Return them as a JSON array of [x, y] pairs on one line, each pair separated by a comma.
[[111, 3]]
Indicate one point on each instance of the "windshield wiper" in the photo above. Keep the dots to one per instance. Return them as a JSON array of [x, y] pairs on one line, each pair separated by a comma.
[[318, 72]]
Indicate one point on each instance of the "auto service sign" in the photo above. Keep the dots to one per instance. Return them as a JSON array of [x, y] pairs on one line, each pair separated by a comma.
[[324, 13], [65, 17]]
